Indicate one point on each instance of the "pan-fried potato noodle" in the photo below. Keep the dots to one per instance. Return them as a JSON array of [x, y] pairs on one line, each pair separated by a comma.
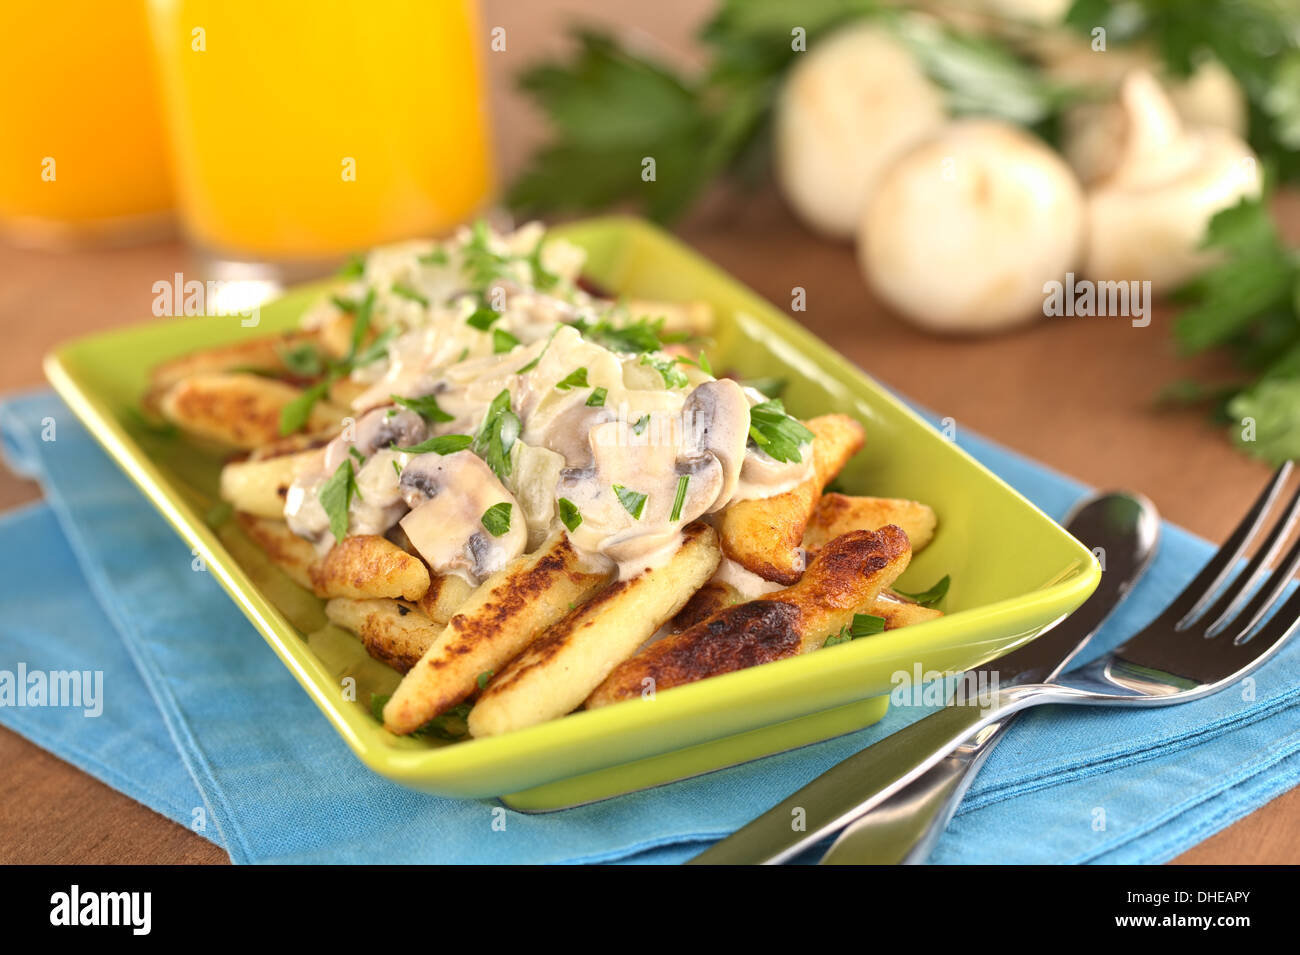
[[527, 401]]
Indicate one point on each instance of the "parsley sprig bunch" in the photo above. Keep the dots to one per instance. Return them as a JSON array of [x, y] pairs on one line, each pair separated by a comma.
[[610, 107], [1249, 304]]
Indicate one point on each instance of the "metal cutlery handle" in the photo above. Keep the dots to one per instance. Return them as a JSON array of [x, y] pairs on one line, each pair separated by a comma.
[[904, 829], [860, 783]]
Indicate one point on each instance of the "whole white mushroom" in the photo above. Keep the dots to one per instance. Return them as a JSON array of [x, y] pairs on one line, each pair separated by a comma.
[[1147, 219], [1092, 133], [965, 229], [852, 103]]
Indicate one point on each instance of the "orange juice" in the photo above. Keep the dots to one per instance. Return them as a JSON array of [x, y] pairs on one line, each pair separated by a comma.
[[304, 130], [81, 142]]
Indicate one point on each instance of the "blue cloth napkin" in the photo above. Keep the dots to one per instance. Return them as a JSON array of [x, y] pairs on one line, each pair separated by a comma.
[[201, 722]]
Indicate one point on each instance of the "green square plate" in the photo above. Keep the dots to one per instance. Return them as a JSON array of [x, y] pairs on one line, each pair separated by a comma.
[[1013, 569]]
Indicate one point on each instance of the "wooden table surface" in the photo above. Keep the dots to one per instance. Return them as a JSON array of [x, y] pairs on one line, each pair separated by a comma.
[[1073, 393]]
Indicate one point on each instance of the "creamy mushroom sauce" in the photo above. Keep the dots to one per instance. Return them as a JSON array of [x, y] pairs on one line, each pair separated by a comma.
[[642, 438]]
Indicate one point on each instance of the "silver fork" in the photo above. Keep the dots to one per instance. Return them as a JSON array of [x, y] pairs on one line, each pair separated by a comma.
[[1208, 638]]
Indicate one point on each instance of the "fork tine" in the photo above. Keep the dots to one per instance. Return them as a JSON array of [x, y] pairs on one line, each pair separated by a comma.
[[1267, 595], [1188, 604], [1277, 628], [1226, 607]]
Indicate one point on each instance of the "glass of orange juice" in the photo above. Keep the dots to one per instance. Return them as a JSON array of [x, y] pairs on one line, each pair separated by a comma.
[[301, 131], [82, 154]]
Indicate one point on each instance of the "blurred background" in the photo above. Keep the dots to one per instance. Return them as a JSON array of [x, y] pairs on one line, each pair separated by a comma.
[[941, 190], [934, 187]]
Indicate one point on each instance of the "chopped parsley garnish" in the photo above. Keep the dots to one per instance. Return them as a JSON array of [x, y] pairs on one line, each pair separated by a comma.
[[542, 277], [405, 291], [597, 398], [482, 265], [498, 434], [502, 341], [574, 379], [295, 415], [680, 499], [303, 360], [353, 268], [570, 516], [336, 497], [633, 501], [536, 361], [863, 625], [442, 444], [702, 363], [360, 324], [425, 406], [344, 304], [484, 677], [928, 598], [635, 337], [449, 726], [482, 318], [775, 432], [638, 426], [437, 256], [357, 456], [397, 467], [218, 514], [667, 367], [496, 519], [376, 350]]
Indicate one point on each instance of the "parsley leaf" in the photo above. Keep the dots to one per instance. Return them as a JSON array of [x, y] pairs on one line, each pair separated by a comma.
[[702, 363], [497, 435], [668, 371], [496, 519], [442, 444], [775, 432], [574, 379], [928, 598], [1272, 407], [303, 360], [642, 335], [545, 348], [482, 318], [336, 497], [863, 625], [377, 349], [295, 415], [502, 341], [426, 406], [570, 516], [360, 325], [633, 502], [481, 263], [680, 499], [405, 291], [597, 397], [542, 278], [449, 726], [353, 268]]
